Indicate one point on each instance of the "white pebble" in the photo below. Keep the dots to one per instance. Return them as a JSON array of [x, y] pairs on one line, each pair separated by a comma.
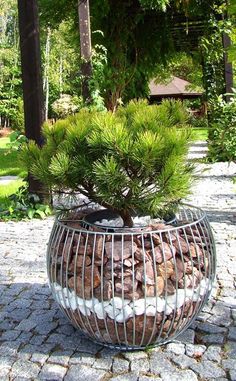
[[66, 292], [73, 304], [139, 311], [56, 287], [189, 292], [160, 305], [85, 311], [140, 303], [195, 297], [180, 300], [80, 301], [128, 312], [126, 302], [151, 311], [89, 303], [99, 310], [112, 312], [168, 310], [120, 318], [106, 303], [117, 302], [171, 299]]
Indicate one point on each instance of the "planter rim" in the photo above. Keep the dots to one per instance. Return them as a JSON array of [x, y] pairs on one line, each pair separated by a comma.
[[130, 231]]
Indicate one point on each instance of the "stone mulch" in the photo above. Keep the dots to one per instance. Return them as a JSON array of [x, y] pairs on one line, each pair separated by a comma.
[[38, 343]]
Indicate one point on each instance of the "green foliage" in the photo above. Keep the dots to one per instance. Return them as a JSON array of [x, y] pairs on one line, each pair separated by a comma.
[[11, 110], [132, 161], [66, 105], [155, 4], [222, 133], [182, 65], [22, 205], [16, 141]]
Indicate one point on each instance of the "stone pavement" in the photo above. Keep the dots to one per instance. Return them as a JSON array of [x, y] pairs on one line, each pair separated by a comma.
[[38, 343]]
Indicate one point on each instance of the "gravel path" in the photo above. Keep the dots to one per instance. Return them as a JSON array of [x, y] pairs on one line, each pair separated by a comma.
[[38, 343]]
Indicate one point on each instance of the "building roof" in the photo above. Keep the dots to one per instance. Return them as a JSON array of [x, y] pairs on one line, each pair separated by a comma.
[[175, 87]]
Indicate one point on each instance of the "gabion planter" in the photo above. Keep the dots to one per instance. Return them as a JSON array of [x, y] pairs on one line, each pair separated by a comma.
[[131, 288]]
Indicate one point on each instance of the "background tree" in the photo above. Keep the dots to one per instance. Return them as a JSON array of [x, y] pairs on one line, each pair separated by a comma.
[[11, 107], [31, 77]]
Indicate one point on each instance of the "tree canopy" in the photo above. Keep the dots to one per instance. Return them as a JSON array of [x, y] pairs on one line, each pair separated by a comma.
[[137, 35]]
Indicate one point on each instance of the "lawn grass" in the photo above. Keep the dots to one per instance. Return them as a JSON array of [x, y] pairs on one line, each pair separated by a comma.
[[9, 162], [9, 166], [199, 134], [7, 190]]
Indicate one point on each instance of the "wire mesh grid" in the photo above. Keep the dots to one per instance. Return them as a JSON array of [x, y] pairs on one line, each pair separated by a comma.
[[132, 288]]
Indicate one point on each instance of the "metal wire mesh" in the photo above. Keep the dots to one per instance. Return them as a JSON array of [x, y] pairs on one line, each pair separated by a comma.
[[131, 288]]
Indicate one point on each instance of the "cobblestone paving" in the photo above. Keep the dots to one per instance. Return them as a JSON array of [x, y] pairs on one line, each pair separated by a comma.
[[38, 343]]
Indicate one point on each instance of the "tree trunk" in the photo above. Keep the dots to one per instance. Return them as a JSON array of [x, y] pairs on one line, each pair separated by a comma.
[[85, 47], [31, 77], [46, 72], [228, 68], [61, 75], [127, 218]]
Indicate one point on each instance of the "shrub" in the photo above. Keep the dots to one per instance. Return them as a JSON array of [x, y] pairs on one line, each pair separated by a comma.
[[132, 161], [66, 105], [222, 132]]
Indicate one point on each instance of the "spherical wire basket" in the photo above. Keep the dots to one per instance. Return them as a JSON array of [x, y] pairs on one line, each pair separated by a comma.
[[130, 288]]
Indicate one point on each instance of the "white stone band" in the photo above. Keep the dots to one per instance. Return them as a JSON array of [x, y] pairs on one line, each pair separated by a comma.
[[121, 310]]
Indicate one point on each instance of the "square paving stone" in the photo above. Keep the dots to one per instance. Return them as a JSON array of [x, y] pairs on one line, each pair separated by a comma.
[[213, 353], [147, 378], [88, 346], [19, 314], [26, 325], [82, 373], [10, 335], [39, 358], [184, 375], [45, 328], [9, 348], [208, 369], [187, 337], [125, 377], [213, 339], [37, 339], [82, 358], [229, 364], [196, 350], [52, 372], [4, 374], [232, 375], [232, 333], [60, 357], [24, 368], [65, 342], [183, 361], [159, 362], [66, 329], [103, 363], [177, 348], [230, 349], [120, 365], [142, 365], [136, 355], [108, 353], [210, 328]]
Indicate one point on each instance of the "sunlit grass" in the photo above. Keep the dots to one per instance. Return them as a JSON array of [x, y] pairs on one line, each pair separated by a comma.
[[7, 190], [199, 134], [9, 161]]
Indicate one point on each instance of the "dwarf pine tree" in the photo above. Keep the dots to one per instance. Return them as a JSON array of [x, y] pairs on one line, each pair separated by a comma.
[[132, 161]]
